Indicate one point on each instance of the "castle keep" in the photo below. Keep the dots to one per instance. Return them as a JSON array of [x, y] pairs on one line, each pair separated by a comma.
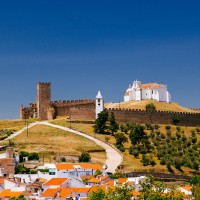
[[45, 109]]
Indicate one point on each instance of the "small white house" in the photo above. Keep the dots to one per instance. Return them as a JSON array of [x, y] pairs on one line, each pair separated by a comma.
[[138, 91]]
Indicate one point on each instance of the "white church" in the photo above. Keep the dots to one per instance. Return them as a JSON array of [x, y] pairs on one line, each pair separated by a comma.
[[138, 91]]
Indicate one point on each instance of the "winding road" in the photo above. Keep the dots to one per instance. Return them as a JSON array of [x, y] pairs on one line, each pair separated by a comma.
[[114, 158]]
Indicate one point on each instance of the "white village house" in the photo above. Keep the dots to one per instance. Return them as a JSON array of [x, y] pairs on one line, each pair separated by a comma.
[[155, 91]]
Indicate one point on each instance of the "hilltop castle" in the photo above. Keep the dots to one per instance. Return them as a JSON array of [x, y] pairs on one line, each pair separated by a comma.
[[155, 91], [45, 109], [88, 109]]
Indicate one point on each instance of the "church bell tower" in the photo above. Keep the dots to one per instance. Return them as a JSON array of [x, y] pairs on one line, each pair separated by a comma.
[[99, 103]]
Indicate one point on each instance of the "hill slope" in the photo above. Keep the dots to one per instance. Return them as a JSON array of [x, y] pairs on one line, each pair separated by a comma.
[[159, 106]]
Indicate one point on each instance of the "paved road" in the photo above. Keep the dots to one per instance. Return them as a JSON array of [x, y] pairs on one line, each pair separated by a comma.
[[114, 158]]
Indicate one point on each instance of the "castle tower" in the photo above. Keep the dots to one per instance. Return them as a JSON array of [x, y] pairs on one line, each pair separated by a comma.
[[43, 100], [99, 103]]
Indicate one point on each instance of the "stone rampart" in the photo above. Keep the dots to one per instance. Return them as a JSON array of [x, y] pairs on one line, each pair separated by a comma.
[[155, 117], [83, 109]]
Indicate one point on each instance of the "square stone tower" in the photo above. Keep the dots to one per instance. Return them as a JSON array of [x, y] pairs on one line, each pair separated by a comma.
[[43, 100]]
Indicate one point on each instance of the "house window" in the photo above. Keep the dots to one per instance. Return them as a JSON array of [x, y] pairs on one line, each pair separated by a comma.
[[152, 91]]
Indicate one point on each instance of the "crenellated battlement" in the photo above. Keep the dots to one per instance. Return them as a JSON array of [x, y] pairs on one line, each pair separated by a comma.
[[44, 83], [155, 117], [156, 111]]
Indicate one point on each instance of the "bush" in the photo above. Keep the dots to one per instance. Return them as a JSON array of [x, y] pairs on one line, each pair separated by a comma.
[[162, 161], [84, 157], [33, 156], [145, 160], [8, 132], [163, 136], [176, 120], [167, 127], [120, 147], [156, 126], [152, 135], [63, 159], [152, 162], [33, 171]]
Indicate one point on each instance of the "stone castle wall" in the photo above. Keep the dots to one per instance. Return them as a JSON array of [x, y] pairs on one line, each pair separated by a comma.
[[84, 109], [156, 117], [75, 109]]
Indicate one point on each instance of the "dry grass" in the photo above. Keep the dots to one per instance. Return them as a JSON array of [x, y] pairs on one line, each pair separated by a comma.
[[52, 141], [141, 105], [13, 124], [130, 163]]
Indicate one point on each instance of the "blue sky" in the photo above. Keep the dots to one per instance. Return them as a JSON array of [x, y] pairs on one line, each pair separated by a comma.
[[83, 46]]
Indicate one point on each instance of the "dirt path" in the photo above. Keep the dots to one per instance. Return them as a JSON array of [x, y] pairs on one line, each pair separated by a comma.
[[114, 158]]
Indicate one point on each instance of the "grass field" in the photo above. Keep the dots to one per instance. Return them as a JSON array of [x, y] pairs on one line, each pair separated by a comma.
[[14, 124], [51, 142], [141, 105]]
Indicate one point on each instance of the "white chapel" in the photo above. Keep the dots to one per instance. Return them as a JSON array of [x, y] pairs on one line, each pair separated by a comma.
[[155, 91]]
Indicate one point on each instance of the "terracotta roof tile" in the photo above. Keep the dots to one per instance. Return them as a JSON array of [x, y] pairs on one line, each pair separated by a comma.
[[56, 181], [97, 179], [187, 187], [71, 166], [9, 193], [50, 192], [122, 180]]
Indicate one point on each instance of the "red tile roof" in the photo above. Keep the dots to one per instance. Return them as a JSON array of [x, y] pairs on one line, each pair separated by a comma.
[[56, 181], [71, 166]]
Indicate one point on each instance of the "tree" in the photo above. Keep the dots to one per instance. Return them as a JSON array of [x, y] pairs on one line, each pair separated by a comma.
[[176, 120], [137, 134], [195, 182], [150, 107], [97, 195], [84, 157], [124, 128], [154, 190], [113, 127], [100, 123], [121, 192], [33, 156], [120, 140]]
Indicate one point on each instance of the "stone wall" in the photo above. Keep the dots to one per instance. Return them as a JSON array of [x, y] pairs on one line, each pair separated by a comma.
[[156, 117], [75, 109]]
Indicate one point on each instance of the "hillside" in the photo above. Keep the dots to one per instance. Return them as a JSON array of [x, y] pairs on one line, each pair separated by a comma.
[[159, 106]]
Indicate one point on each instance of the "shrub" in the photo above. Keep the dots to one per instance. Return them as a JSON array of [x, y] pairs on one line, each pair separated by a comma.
[[84, 157], [8, 132], [153, 162], [152, 135], [33, 156], [162, 161], [145, 160], [63, 159], [33, 171], [169, 167], [136, 154], [194, 140], [176, 120], [195, 165], [167, 127], [162, 136], [156, 126], [178, 135]]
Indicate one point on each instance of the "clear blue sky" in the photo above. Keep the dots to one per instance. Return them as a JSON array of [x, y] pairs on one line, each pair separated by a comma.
[[83, 46]]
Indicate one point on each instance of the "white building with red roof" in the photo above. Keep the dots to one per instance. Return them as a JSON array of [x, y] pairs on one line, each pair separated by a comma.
[[138, 91]]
